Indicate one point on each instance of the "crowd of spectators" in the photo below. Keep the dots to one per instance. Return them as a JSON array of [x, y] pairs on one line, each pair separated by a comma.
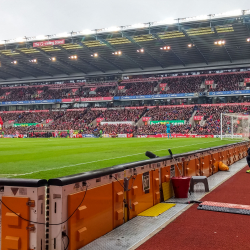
[[175, 85], [212, 118], [118, 128], [228, 82], [163, 114], [161, 129], [122, 114], [139, 88], [183, 85]]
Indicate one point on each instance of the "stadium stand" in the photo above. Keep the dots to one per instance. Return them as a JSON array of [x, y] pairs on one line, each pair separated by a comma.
[[162, 114]]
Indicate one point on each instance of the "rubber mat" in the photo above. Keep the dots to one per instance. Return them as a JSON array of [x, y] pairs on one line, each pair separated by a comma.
[[224, 207], [157, 210]]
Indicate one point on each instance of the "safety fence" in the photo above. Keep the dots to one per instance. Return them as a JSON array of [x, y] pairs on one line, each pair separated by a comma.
[[72, 211]]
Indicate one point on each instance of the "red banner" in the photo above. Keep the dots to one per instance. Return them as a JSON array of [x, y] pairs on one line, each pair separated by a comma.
[[74, 90], [145, 119], [49, 43], [246, 80], [163, 85], [49, 120], [99, 119], [121, 87], [7, 93], [93, 99], [198, 118], [209, 82], [71, 100], [39, 91], [93, 89], [10, 121]]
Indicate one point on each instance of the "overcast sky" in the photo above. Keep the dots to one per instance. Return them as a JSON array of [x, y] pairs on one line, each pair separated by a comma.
[[19, 18]]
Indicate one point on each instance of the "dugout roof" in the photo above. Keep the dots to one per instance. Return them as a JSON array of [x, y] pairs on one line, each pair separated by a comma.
[[191, 41]]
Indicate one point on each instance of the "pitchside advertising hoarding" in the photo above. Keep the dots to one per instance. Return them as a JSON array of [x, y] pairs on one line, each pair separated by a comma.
[[24, 124], [174, 122]]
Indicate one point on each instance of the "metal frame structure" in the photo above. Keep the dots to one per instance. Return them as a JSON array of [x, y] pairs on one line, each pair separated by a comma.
[[191, 44]]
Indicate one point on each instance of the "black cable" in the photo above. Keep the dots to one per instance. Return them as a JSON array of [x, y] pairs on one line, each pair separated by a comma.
[[42, 223], [118, 181], [186, 202], [68, 242]]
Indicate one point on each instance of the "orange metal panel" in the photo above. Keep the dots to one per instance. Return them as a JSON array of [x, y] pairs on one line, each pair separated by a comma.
[[118, 205], [165, 174], [139, 201], [14, 232], [94, 217], [190, 168], [156, 185], [215, 158], [206, 165]]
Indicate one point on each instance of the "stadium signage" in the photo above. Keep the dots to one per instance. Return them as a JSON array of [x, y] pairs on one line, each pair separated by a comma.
[[24, 124], [209, 82], [123, 122], [175, 136], [93, 89], [96, 99], [145, 119], [49, 43], [198, 118], [236, 92], [29, 102], [174, 122], [246, 80], [161, 96], [121, 87]]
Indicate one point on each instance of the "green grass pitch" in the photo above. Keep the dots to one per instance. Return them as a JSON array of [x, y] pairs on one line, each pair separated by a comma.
[[50, 158]]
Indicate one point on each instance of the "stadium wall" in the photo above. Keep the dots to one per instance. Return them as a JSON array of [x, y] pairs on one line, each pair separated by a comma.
[[75, 210]]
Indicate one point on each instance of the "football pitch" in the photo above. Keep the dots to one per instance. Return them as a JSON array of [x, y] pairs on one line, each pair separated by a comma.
[[44, 158]]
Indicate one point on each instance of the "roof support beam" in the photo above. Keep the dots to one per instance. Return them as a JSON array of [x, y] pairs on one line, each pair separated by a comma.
[[57, 60], [28, 57], [224, 46], [103, 58], [180, 60], [19, 62], [123, 54], [5, 65], [85, 61], [195, 45], [145, 49]]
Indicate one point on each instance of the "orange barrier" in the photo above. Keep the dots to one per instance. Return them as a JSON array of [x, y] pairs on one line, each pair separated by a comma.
[[140, 195], [99, 201], [22, 199]]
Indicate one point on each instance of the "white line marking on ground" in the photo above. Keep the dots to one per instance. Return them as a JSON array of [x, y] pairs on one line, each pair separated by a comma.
[[84, 163]]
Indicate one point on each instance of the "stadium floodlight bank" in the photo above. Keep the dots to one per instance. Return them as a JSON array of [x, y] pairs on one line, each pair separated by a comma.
[[234, 126]]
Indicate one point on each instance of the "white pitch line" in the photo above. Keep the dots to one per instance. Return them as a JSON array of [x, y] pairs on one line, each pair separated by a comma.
[[83, 163]]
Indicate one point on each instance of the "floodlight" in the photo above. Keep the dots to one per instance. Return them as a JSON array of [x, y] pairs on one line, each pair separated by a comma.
[[248, 39], [14, 62], [53, 59]]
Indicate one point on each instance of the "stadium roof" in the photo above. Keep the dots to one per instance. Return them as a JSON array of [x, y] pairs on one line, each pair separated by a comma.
[[189, 44]]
